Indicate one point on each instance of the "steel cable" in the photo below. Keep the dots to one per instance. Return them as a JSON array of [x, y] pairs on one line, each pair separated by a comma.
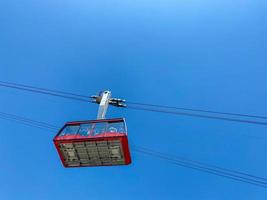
[[142, 106]]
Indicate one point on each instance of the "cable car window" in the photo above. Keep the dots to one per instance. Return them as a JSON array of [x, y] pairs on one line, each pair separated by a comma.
[[116, 127], [85, 129], [70, 130], [99, 128]]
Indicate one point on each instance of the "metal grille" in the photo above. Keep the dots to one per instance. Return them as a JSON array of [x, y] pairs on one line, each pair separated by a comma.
[[92, 153]]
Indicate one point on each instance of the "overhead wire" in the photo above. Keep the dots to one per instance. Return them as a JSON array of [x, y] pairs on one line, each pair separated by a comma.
[[198, 115], [44, 92], [6, 84], [197, 163], [179, 161], [204, 169], [45, 89], [26, 123], [143, 106], [26, 120], [197, 110]]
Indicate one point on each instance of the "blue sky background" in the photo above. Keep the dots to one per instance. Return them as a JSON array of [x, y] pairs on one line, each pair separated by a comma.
[[200, 54]]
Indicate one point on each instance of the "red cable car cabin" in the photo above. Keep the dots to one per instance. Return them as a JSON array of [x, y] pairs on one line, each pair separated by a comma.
[[93, 143]]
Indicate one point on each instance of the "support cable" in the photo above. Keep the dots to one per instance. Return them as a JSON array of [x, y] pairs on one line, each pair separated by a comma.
[[197, 110], [197, 163], [26, 123], [44, 92], [44, 89], [199, 115], [203, 169], [143, 106], [26, 120]]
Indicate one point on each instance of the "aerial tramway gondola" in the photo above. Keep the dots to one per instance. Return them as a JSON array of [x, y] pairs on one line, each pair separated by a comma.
[[101, 142]]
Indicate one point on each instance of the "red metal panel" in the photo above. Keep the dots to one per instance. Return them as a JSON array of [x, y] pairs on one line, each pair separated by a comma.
[[126, 150]]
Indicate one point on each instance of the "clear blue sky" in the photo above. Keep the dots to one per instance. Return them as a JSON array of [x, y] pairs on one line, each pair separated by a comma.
[[202, 54]]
